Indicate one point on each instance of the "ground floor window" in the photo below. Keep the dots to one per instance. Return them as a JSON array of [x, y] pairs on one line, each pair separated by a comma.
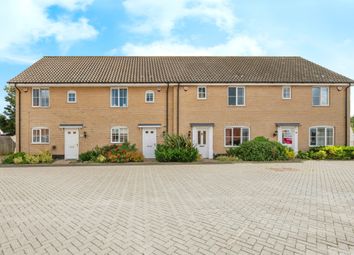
[[235, 136], [40, 135], [321, 136], [119, 135]]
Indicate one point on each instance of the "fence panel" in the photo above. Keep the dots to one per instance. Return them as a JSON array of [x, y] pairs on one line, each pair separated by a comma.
[[7, 145]]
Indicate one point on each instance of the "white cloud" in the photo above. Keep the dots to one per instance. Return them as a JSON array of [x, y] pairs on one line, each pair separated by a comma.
[[163, 15], [237, 45], [25, 22]]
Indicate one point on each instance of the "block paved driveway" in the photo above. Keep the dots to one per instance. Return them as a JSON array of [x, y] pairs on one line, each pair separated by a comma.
[[303, 208]]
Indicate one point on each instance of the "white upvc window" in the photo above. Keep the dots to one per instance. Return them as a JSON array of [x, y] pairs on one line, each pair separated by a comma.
[[71, 97], [235, 136], [40, 135], [119, 97], [320, 96], [321, 136], [149, 97], [286, 92], [202, 92], [119, 134], [236, 96], [40, 97]]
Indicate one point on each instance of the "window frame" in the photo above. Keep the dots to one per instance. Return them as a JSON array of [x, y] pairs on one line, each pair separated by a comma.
[[206, 92], [67, 97], [153, 98], [111, 101], [326, 127], [244, 96], [39, 97], [320, 87], [290, 92], [40, 135], [119, 127], [241, 136]]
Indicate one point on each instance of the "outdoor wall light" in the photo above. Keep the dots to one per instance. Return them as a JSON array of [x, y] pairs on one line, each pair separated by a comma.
[[85, 134], [185, 88], [25, 89], [339, 88], [189, 134], [275, 133], [158, 89]]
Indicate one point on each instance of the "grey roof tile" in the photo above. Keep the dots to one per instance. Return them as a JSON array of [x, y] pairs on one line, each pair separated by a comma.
[[114, 69]]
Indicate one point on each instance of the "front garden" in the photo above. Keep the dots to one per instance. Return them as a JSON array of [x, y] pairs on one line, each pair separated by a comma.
[[116, 153], [179, 148]]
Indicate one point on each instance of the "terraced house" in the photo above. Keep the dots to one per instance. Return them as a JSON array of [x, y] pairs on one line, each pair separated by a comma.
[[69, 105]]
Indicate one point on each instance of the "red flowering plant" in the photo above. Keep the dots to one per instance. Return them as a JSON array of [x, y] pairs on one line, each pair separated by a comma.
[[115, 153]]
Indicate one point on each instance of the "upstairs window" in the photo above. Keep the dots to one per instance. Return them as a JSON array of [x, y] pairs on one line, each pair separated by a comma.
[[286, 92], [40, 97], [119, 135], [321, 136], [201, 92], [149, 96], [119, 97], [235, 136], [40, 135], [236, 96], [320, 96], [71, 97]]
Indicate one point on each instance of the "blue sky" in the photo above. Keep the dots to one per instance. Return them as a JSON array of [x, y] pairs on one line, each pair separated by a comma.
[[319, 30]]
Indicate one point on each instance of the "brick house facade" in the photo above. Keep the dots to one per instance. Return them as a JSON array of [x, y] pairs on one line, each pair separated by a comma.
[[68, 105]]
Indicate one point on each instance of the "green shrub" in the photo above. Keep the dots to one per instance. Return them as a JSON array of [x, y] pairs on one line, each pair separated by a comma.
[[260, 149], [101, 159], [25, 158], [290, 154], [115, 153], [18, 160], [9, 159], [45, 157], [328, 152], [90, 155], [176, 148], [32, 159], [302, 155]]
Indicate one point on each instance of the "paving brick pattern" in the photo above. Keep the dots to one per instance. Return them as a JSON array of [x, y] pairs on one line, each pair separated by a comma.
[[294, 208]]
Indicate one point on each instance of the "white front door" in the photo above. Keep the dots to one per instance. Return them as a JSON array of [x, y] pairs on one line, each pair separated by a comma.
[[202, 139], [71, 144], [149, 142], [288, 136]]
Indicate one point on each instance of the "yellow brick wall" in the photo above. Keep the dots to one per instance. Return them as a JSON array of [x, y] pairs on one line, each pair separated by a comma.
[[94, 112], [264, 107]]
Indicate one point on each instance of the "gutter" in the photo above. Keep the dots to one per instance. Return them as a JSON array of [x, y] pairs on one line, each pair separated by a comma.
[[18, 136], [168, 86], [347, 114], [178, 85]]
